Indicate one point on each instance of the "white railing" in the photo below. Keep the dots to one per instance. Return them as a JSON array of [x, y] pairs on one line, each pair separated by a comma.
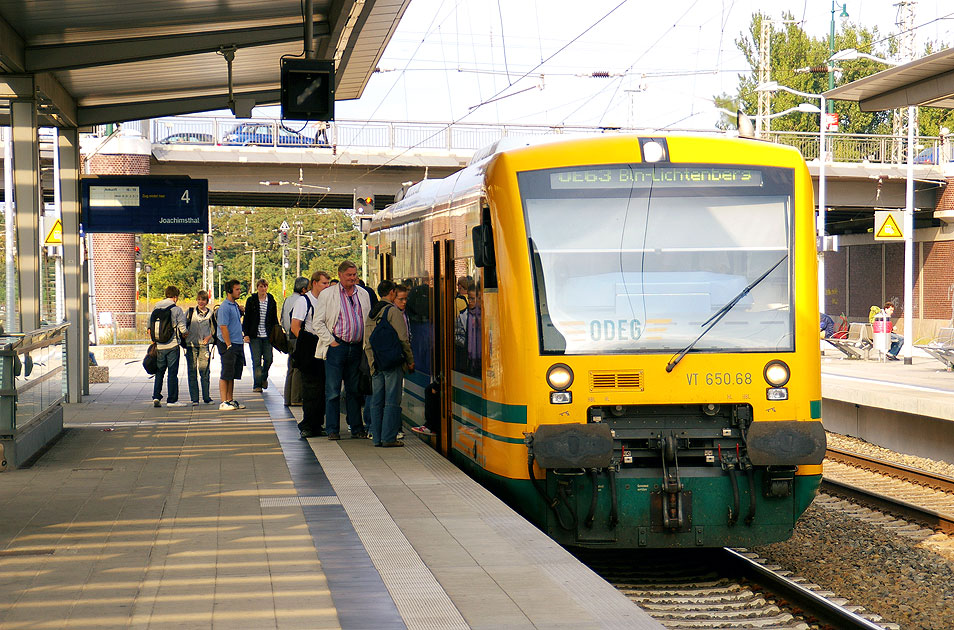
[[394, 135], [343, 133]]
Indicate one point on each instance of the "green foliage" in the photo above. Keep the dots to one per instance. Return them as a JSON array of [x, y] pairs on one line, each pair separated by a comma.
[[327, 237], [793, 49]]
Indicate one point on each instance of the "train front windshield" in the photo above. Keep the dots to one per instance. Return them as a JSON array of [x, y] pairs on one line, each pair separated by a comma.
[[637, 257]]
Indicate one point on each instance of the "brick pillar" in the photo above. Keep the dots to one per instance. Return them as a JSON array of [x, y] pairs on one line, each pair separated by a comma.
[[114, 262], [945, 200]]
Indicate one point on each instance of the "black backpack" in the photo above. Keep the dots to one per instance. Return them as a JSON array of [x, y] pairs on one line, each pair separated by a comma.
[[161, 329], [385, 343]]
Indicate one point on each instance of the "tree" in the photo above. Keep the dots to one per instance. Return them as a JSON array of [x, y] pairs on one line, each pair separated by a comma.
[[327, 238], [791, 50]]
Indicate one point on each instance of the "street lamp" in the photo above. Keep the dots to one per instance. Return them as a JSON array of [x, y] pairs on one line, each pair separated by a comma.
[[831, 44], [148, 270], [805, 108], [773, 86], [847, 55]]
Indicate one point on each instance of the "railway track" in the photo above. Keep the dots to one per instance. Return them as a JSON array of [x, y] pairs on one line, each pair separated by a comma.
[[917, 495], [724, 588]]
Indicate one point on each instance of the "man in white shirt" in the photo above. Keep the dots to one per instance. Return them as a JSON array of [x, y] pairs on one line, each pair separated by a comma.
[[293, 375], [340, 314], [312, 369]]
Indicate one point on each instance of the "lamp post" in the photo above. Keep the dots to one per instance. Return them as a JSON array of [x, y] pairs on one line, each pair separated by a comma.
[[908, 229], [148, 270], [831, 43], [773, 86], [219, 269]]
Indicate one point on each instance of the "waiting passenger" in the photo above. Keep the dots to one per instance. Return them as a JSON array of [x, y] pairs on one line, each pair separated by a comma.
[[200, 322], [166, 326], [464, 284], [389, 355], [339, 320], [231, 345], [293, 375], [827, 326], [896, 339], [261, 315], [312, 368]]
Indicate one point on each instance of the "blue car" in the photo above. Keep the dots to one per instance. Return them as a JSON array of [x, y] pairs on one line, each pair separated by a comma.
[[250, 133], [930, 155]]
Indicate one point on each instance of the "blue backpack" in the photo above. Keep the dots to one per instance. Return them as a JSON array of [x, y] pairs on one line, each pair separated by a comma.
[[385, 343]]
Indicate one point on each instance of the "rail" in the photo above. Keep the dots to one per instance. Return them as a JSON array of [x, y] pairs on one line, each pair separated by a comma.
[[32, 376], [397, 135]]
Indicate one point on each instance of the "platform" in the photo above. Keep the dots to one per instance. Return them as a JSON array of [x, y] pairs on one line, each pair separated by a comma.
[[193, 518], [907, 408]]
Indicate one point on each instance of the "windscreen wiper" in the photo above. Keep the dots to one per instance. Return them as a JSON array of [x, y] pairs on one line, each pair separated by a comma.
[[712, 321]]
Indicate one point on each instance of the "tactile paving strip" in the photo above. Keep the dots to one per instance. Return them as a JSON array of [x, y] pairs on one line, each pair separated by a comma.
[[269, 502], [421, 600]]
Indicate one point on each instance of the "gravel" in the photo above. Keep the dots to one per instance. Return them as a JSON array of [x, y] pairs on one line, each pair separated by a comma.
[[907, 578], [866, 448]]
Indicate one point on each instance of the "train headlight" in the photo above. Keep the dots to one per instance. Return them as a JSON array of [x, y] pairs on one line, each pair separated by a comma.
[[560, 376], [653, 151], [776, 373], [561, 398]]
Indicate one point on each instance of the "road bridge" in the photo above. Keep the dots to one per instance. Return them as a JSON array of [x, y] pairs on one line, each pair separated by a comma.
[[383, 155]]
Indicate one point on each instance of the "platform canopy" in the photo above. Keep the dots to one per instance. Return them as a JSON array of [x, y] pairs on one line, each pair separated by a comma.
[[924, 82], [98, 61]]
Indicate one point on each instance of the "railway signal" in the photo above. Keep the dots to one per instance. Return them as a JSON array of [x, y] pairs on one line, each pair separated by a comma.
[[364, 204]]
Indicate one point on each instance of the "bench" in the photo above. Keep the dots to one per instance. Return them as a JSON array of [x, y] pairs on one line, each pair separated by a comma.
[[941, 347], [857, 344]]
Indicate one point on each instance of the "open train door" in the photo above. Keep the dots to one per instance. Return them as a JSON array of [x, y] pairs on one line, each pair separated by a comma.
[[443, 317]]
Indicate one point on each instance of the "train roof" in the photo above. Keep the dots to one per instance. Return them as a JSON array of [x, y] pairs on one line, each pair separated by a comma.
[[469, 181]]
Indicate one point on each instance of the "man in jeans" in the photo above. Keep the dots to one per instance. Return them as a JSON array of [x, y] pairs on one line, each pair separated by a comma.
[[231, 347], [167, 358], [340, 314], [388, 384], [199, 322]]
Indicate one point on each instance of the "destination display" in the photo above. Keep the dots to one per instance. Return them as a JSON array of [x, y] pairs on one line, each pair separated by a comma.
[[658, 176], [144, 204]]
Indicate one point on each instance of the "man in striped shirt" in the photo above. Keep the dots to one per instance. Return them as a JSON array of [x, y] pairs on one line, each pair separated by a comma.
[[339, 322]]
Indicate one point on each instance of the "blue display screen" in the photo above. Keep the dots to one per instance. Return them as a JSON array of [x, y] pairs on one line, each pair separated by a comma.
[[145, 204]]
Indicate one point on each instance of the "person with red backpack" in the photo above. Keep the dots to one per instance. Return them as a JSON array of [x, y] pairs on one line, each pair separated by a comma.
[[167, 325]]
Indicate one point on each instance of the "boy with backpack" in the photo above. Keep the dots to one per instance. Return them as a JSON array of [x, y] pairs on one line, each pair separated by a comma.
[[201, 324], [166, 325], [388, 347]]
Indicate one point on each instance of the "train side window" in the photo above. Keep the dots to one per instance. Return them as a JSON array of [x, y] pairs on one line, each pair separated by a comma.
[[484, 255]]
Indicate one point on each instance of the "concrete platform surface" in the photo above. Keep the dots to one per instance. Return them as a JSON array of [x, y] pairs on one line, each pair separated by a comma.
[[188, 517]]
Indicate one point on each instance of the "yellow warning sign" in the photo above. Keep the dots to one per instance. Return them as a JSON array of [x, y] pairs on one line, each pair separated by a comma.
[[55, 235], [887, 226]]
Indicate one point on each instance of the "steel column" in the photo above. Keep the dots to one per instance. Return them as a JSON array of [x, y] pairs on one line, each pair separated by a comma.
[[77, 337], [26, 182]]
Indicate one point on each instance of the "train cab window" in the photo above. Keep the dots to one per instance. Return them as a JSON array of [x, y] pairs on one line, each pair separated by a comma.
[[638, 257]]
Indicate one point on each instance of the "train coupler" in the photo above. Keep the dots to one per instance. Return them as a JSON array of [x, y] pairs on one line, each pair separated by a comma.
[[671, 503]]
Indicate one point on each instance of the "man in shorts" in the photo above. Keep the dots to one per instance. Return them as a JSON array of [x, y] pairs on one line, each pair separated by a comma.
[[231, 346]]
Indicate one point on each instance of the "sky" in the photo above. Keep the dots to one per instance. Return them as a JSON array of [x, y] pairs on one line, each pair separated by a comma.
[[517, 61]]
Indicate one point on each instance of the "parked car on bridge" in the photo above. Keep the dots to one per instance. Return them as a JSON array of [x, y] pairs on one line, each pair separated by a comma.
[[251, 133], [930, 155], [188, 137]]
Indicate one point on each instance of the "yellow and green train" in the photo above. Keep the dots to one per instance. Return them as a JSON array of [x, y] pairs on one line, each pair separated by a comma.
[[619, 335]]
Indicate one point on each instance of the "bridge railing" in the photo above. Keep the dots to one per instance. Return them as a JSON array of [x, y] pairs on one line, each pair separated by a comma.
[[872, 148], [396, 135], [342, 133]]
